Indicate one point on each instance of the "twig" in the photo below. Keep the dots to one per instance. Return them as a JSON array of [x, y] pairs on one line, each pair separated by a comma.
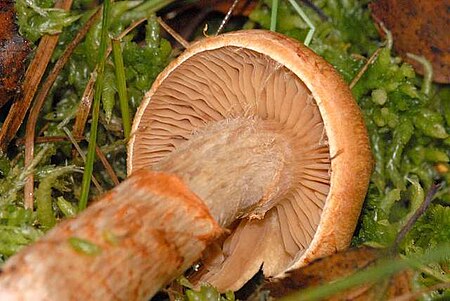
[[128, 30], [363, 70], [80, 151], [227, 17], [173, 33], [84, 107], [31, 82], [419, 212], [39, 102], [107, 166]]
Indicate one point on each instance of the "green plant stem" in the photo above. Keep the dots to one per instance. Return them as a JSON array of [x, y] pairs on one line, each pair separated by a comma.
[[274, 15], [305, 18], [379, 272], [88, 168], [121, 87]]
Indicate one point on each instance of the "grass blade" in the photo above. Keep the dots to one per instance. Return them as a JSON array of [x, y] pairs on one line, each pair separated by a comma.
[[88, 168], [121, 87], [305, 18], [274, 16]]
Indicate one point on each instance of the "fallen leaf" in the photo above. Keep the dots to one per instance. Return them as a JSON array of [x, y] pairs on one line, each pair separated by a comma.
[[339, 265], [14, 50], [418, 27]]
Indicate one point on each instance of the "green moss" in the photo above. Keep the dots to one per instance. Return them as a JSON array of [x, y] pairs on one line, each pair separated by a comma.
[[38, 17], [84, 246]]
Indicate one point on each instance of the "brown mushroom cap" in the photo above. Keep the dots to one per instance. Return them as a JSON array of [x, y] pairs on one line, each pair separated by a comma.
[[267, 75]]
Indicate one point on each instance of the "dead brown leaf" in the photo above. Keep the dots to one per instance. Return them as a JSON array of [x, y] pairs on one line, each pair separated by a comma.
[[346, 263], [418, 27], [14, 50]]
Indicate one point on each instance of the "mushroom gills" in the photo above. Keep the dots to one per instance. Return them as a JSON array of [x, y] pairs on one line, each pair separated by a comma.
[[232, 83]]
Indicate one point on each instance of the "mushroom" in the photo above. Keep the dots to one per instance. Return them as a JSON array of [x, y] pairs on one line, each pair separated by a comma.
[[248, 138], [206, 102]]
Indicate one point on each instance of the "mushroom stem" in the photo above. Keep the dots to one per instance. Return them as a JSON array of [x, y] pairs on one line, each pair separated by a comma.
[[238, 167], [151, 228], [125, 246]]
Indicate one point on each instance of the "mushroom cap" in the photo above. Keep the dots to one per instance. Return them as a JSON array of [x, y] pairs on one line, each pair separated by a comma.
[[265, 74]]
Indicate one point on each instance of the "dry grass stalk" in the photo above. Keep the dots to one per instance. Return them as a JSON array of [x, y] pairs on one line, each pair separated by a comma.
[[108, 167], [80, 152], [173, 33], [363, 70]]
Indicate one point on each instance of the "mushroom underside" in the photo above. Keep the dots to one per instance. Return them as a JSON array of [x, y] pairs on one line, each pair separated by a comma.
[[230, 83]]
